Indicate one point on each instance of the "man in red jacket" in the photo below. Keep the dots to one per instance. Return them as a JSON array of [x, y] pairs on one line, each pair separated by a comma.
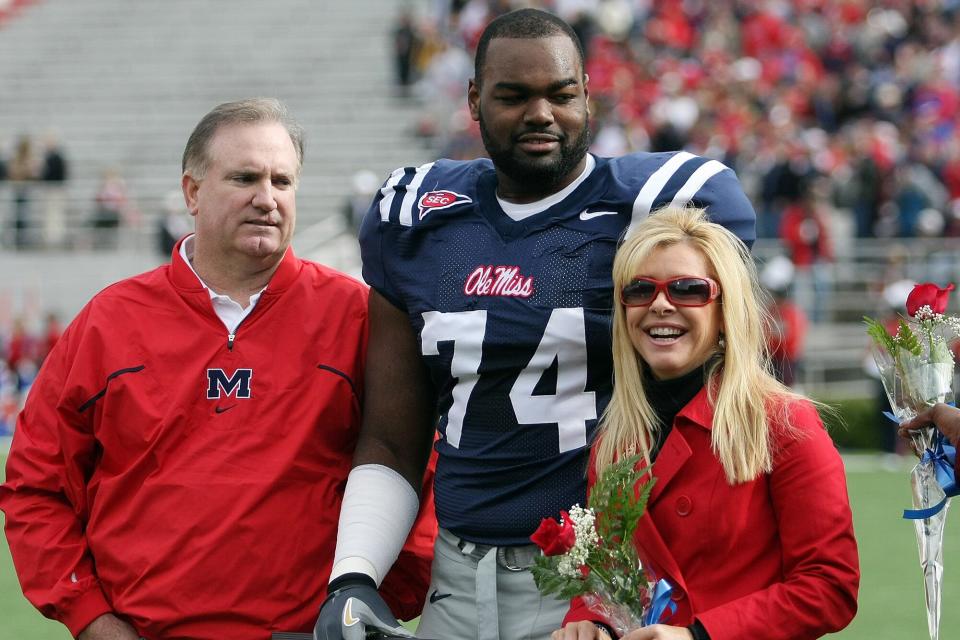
[[179, 466]]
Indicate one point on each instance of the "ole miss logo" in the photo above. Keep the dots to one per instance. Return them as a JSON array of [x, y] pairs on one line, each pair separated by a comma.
[[435, 200], [219, 384], [498, 280]]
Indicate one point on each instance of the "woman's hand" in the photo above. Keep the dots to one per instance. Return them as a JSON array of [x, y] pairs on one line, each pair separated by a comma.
[[659, 632], [583, 630]]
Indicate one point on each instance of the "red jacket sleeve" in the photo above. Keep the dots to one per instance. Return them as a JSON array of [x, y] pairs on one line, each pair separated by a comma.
[[44, 497], [818, 593]]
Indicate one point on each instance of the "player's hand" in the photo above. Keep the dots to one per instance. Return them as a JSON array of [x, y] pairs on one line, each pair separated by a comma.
[[352, 607], [583, 630], [108, 627], [660, 632], [942, 416]]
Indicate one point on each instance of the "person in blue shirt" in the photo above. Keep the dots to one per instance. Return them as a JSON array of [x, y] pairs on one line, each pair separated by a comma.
[[490, 312]]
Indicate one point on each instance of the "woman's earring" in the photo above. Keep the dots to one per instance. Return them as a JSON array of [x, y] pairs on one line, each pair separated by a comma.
[[721, 343]]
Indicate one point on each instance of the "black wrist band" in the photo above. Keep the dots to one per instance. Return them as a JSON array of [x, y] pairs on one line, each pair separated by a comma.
[[350, 579], [698, 631], [605, 627]]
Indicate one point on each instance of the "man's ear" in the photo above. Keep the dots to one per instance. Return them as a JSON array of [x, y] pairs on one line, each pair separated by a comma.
[[473, 99], [190, 186]]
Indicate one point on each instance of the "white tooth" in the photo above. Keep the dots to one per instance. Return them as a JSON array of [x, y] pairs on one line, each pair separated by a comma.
[[664, 332]]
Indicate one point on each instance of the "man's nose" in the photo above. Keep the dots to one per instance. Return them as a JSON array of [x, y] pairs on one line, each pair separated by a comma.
[[539, 111], [263, 197]]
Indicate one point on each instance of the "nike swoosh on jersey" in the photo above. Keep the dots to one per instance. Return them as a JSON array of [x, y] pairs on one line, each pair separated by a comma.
[[434, 597], [588, 215], [224, 409]]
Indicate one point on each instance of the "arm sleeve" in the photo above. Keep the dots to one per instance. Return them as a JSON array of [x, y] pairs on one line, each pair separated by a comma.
[[44, 496], [406, 584], [821, 575]]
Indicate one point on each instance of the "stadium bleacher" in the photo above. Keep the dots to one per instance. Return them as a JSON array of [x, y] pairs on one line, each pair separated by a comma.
[[123, 83]]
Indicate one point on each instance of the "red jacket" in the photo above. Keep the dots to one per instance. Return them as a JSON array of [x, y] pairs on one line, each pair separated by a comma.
[[774, 558], [192, 488]]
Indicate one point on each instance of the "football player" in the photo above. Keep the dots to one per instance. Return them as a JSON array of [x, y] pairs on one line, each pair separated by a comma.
[[490, 306]]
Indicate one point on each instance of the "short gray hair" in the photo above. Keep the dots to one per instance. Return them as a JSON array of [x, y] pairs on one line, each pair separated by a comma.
[[196, 158]]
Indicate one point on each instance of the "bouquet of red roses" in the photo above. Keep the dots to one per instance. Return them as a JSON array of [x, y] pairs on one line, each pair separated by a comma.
[[590, 552], [916, 368]]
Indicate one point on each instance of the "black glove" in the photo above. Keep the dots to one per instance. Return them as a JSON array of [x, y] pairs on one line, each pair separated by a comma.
[[353, 608]]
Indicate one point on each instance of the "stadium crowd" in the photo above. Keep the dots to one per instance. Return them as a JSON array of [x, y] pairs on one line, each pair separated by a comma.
[[23, 347], [858, 98]]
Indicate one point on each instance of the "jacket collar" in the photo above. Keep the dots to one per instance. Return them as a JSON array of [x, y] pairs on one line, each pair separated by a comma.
[[674, 454], [698, 411], [183, 276]]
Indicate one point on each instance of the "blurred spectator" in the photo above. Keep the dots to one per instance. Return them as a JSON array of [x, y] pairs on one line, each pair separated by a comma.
[[405, 43], [786, 182], [22, 172], [54, 173], [805, 234], [173, 223], [21, 355], [787, 332], [52, 330], [9, 400], [112, 206]]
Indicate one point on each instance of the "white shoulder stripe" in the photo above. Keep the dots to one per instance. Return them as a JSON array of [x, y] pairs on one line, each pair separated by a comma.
[[697, 180], [654, 185], [388, 192], [410, 198]]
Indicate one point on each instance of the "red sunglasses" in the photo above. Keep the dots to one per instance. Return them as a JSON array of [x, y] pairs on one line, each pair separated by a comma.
[[683, 291]]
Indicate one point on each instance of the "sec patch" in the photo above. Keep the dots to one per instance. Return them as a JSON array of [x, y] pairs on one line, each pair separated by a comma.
[[436, 200]]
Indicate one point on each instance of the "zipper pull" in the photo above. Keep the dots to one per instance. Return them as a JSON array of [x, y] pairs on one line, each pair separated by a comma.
[[230, 338]]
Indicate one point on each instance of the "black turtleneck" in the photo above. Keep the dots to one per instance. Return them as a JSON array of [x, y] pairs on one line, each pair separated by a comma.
[[668, 397]]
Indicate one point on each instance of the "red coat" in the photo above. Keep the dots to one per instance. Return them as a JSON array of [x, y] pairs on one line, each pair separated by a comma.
[[150, 478], [774, 558]]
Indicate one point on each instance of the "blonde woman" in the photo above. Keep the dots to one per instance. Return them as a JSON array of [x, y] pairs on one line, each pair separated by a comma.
[[749, 519]]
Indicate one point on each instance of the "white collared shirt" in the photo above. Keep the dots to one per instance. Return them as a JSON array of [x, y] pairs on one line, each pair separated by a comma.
[[231, 314]]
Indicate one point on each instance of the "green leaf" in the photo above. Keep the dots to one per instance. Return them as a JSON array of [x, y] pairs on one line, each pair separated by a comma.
[[549, 581], [880, 335], [908, 340]]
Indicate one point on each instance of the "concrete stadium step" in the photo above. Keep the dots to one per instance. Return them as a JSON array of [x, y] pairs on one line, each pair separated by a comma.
[[124, 82]]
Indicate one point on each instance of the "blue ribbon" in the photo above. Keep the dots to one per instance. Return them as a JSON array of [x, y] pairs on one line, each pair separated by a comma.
[[659, 602], [943, 457]]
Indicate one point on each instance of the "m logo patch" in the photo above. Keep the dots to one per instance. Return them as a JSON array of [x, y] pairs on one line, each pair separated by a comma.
[[436, 200], [219, 384]]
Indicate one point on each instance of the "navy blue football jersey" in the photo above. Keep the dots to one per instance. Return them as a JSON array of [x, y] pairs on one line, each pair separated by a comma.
[[513, 319]]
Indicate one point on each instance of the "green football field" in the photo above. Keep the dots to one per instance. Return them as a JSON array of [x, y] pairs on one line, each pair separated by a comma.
[[891, 591]]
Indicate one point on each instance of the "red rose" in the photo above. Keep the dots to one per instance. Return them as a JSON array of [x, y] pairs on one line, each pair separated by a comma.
[[555, 538], [930, 294]]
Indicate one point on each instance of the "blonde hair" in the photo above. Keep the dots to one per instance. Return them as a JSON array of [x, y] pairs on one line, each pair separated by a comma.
[[739, 381]]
